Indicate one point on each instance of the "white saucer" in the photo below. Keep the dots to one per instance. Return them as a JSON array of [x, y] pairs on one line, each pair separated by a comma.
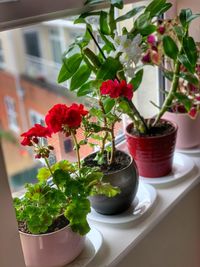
[[182, 166], [93, 244], [145, 199], [194, 150]]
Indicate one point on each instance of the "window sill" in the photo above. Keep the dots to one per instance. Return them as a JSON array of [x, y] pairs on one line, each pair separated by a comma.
[[120, 240]]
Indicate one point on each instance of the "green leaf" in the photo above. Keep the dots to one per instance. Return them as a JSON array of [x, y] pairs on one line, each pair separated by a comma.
[[109, 69], [189, 77], [130, 14], [184, 16], [185, 62], [179, 32], [107, 42], [117, 3], [192, 17], [142, 21], [137, 79], [60, 177], [108, 104], [164, 8], [105, 189], [183, 99], [148, 30], [43, 174], [125, 107], [80, 77], [154, 7], [85, 89], [170, 47], [103, 21], [69, 67], [168, 75], [190, 49], [93, 2]]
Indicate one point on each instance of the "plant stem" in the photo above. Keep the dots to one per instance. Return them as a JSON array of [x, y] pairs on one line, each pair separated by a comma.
[[105, 125], [168, 101], [113, 145], [48, 166], [77, 150], [96, 43]]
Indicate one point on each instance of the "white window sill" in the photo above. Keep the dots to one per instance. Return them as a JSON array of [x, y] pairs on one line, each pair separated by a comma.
[[119, 240]]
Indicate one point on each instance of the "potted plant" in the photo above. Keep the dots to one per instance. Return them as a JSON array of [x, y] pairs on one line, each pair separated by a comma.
[[187, 116], [121, 59], [52, 215]]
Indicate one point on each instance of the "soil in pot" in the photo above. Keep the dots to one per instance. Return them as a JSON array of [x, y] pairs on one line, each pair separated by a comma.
[[58, 224], [123, 174], [153, 152]]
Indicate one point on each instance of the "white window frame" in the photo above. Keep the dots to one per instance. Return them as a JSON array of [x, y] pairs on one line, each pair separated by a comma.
[[11, 113], [15, 14], [38, 115]]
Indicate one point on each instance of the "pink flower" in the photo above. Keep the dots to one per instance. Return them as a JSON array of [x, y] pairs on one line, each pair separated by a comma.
[[161, 29], [193, 112], [151, 39]]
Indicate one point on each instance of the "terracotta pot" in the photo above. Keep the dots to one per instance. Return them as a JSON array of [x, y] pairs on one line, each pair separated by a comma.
[[188, 135], [51, 250], [154, 154], [127, 180]]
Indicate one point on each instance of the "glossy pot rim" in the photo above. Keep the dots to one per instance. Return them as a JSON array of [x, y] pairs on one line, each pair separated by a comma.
[[181, 114], [130, 163], [47, 234], [175, 126]]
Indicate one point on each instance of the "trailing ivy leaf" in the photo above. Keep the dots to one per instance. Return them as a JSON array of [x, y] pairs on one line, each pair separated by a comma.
[[183, 99], [108, 104], [69, 67], [130, 14], [117, 3], [170, 47], [154, 7], [190, 49], [137, 79], [103, 21], [109, 69], [80, 77], [186, 63]]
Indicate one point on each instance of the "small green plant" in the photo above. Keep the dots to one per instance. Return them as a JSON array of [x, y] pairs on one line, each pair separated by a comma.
[[66, 193]]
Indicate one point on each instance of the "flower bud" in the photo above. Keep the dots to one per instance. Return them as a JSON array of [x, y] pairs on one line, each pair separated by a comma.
[[37, 156], [50, 147], [146, 58], [161, 29], [35, 140], [151, 39]]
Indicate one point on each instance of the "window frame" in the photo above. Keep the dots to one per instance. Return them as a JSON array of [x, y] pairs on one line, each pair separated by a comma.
[[12, 15], [12, 115]]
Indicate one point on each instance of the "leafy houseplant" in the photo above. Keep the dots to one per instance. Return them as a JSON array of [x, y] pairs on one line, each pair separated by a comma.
[[51, 209], [120, 62]]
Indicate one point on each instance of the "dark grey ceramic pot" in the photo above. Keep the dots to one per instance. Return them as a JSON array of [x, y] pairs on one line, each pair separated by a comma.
[[127, 180]]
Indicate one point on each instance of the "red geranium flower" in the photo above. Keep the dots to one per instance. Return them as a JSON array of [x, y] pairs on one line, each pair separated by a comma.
[[61, 115], [116, 89], [36, 131]]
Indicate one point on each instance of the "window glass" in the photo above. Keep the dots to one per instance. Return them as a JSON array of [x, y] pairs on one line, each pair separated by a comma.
[[30, 89]]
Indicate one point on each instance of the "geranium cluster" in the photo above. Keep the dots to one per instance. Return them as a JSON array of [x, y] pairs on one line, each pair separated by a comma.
[[117, 89], [60, 118]]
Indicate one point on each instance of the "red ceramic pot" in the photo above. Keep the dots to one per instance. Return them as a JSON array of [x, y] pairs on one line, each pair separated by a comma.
[[153, 154]]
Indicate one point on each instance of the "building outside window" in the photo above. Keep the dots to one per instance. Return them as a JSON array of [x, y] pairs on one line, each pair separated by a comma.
[[2, 61], [11, 114], [55, 41]]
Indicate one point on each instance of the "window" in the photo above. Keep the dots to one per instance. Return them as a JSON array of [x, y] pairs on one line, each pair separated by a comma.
[[38, 96], [55, 40], [32, 43], [11, 114]]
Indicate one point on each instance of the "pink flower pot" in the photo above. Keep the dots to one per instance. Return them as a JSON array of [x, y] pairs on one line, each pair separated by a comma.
[[51, 250], [153, 155], [188, 135]]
